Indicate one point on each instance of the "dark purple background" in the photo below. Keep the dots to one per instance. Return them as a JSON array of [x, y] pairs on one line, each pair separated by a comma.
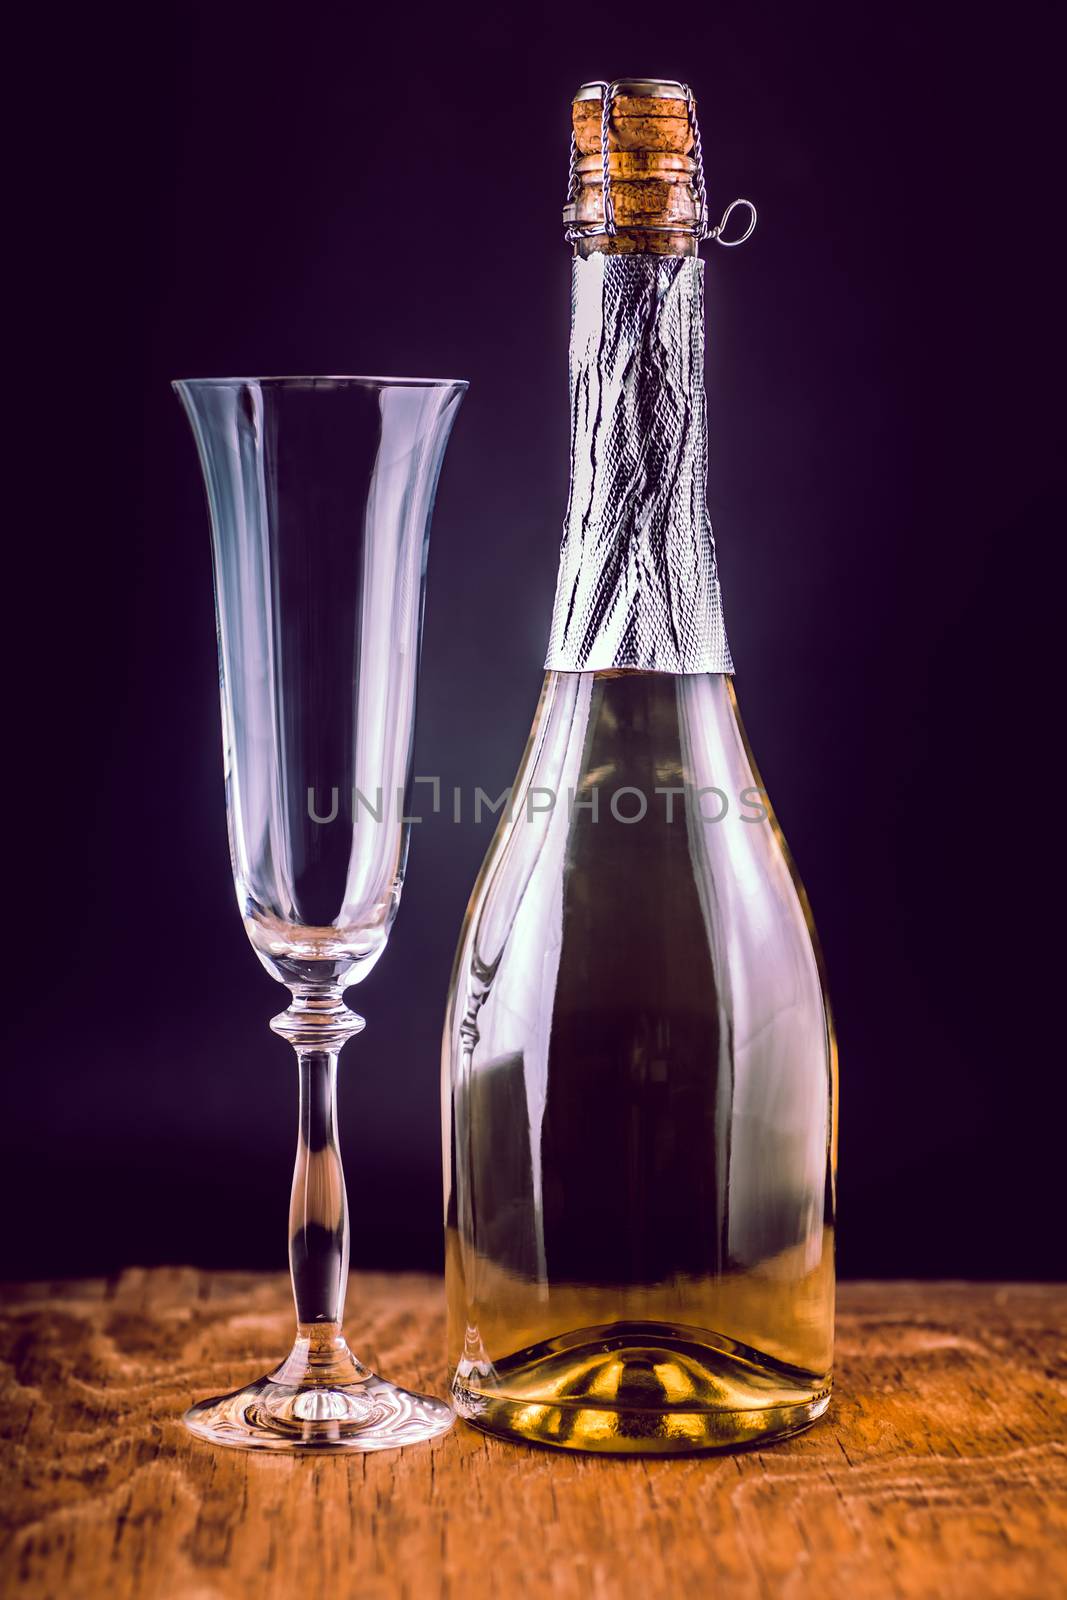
[[318, 190]]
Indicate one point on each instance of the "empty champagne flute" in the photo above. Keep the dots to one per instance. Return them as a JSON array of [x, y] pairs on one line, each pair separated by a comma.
[[320, 492]]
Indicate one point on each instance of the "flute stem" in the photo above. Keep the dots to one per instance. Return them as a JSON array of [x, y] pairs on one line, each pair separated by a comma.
[[320, 1397], [317, 1024]]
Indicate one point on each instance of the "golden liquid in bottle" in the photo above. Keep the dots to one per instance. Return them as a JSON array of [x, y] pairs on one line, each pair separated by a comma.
[[639, 1070]]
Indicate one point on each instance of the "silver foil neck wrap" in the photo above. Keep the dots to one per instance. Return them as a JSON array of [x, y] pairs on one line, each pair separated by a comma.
[[638, 585]]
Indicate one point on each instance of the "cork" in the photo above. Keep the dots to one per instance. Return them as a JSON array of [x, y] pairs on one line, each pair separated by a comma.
[[650, 167]]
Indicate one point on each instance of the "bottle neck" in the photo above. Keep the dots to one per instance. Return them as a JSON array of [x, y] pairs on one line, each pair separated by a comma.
[[638, 587]]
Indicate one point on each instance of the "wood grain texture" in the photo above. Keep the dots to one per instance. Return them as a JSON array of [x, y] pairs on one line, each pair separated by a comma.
[[939, 1472]]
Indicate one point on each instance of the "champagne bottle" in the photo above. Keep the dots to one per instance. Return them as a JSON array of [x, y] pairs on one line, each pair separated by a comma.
[[639, 1062]]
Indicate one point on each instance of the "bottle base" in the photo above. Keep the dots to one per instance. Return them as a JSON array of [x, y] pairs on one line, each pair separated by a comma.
[[640, 1389]]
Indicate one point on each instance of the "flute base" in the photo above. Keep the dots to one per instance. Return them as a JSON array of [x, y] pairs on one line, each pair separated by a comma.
[[320, 1398]]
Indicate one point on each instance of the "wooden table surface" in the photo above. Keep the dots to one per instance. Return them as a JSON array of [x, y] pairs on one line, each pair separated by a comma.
[[938, 1472]]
